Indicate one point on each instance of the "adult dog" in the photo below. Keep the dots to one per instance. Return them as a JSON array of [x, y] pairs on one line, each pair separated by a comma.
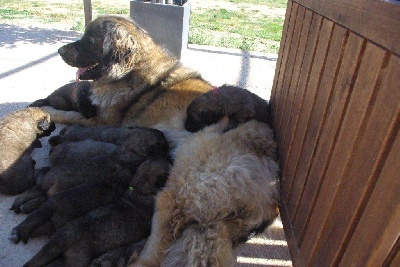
[[221, 189], [136, 82]]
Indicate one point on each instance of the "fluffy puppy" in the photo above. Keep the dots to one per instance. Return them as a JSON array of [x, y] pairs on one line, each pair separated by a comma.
[[19, 133], [221, 189], [239, 104], [73, 97], [125, 222], [65, 206]]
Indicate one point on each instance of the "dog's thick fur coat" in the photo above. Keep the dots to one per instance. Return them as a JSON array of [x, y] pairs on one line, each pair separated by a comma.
[[19, 133], [221, 189], [136, 82]]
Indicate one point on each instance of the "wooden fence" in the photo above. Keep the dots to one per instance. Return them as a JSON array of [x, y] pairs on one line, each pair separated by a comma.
[[336, 109]]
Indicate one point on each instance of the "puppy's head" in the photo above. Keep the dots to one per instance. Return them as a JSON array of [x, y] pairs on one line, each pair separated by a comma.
[[151, 176], [106, 48], [203, 111], [44, 126]]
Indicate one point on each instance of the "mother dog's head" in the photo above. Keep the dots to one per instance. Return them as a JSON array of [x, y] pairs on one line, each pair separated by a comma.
[[108, 48]]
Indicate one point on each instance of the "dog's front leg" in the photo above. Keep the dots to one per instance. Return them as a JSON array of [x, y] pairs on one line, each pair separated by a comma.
[[70, 117], [161, 236]]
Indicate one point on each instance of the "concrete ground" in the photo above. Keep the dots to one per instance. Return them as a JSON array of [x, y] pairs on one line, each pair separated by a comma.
[[30, 68]]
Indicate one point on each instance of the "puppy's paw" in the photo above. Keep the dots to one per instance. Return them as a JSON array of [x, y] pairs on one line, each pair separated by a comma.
[[15, 235]]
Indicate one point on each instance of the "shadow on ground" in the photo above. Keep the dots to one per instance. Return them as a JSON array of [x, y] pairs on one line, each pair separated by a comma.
[[12, 34]]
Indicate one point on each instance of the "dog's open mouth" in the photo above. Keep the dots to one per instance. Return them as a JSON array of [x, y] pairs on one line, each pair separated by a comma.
[[92, 72]]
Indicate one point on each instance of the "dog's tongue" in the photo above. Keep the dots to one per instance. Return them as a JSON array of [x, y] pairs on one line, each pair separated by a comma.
[[79, 72]]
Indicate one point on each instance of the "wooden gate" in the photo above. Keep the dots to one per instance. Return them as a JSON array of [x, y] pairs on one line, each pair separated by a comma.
[[336, 110]]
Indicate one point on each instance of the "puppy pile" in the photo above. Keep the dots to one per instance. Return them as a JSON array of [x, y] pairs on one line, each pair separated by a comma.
[[157, 167]]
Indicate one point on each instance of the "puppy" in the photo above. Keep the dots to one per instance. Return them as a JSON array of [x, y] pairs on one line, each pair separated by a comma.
[[80, 151], [125, 222], [19, 133], [72, 96], [65, 206], [65, 176], [118, 256], [136, 82], [239, 104], [141, 141], [221, 189]]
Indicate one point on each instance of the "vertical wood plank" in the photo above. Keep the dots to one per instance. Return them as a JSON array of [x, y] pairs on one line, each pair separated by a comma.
[[281, 53], [301, 88], [318, 64], [335, 113], [362, 172], [343, 153], [298, 68], [280, 72], [291, 62], [394, 257], [383, 207], [317, 116]]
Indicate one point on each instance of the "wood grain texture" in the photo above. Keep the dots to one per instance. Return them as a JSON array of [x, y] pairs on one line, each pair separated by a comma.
[[337, 120], [375, 20], [345, 150], [336, 110]]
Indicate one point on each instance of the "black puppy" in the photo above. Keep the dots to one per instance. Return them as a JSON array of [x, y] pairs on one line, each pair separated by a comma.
[[139, 140], [125, 222], [65, 206], [80, 151], [240, 105], [73, 97], [63, 177]]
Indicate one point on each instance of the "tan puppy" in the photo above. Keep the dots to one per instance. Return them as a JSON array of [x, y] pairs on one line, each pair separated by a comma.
[[19, 131], [221, 189], [136, 82]]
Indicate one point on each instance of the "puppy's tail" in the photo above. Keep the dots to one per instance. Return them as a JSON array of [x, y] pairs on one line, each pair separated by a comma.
[[201, 246]]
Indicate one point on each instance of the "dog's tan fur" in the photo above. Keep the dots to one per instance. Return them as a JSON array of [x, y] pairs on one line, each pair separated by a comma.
[[140, 83], [222, 188], [19, 131]]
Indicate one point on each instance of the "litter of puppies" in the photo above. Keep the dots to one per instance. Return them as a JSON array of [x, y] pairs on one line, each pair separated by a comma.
[[177, 175]]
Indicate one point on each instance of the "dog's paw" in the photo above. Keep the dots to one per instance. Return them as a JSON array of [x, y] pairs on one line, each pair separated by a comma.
[[15, 235], [28, 206]]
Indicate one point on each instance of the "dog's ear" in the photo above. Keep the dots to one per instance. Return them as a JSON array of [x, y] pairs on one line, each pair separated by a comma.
[[118, 48]]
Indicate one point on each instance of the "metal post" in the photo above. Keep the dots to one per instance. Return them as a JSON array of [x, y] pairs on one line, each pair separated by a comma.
[[87, 7]]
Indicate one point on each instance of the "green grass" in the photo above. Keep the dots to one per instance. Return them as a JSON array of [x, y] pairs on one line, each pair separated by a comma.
[[268, 3], [250, 31], [245, 27]]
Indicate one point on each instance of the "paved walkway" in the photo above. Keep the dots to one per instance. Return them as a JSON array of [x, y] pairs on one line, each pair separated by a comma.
[[30, 68]]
